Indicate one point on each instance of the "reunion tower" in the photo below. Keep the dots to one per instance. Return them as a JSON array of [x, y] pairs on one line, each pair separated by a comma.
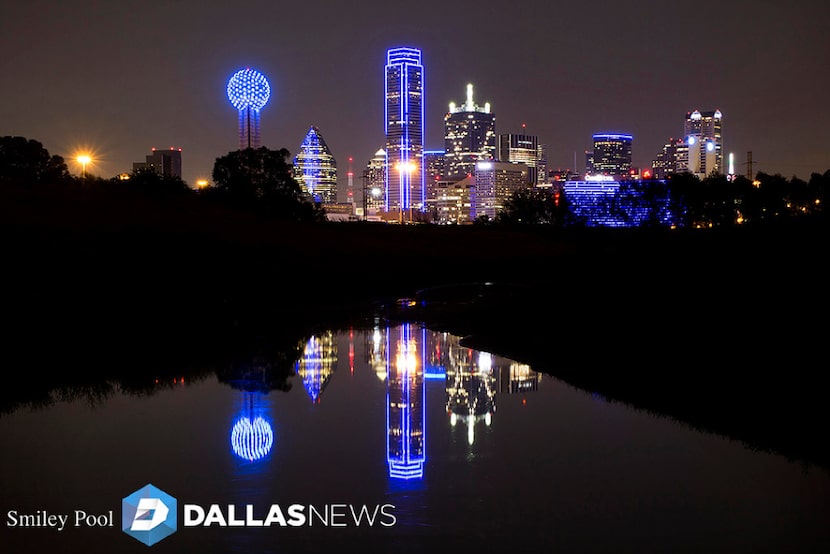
[[248, 91]]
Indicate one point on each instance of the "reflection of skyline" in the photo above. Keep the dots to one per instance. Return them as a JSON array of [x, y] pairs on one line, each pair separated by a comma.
[[317, 364], [405, 404]]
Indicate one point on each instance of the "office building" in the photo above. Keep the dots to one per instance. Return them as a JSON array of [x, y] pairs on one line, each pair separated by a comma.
[[611, 155], [495, 182], [522, 148], [404, 131], [316, 169], [167, 163], [469, 137], [374, 184], [704, 139]]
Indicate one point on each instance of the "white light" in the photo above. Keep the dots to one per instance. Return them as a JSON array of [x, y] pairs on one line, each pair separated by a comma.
[[484, 166], [710, 146], [691, 141]]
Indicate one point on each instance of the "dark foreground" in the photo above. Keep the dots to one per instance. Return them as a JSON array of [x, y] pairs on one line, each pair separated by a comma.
[[725, 331]]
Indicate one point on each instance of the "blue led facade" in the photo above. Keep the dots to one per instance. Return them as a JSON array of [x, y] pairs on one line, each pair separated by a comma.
[[248, 92], [620, 203], [405, 404], [316, 169], [404, 130]]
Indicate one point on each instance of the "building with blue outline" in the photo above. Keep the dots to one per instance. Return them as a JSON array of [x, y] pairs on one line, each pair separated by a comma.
[[404, 131]]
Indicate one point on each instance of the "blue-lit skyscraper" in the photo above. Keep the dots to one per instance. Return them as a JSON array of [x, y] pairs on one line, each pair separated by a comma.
[[404, 129], [612, 155], [315, 168]]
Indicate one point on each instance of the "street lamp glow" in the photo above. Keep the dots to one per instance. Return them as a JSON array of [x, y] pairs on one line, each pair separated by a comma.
[[83, 159]]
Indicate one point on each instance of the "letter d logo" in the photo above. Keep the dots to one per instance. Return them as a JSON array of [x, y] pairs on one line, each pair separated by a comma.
[[148, 515]]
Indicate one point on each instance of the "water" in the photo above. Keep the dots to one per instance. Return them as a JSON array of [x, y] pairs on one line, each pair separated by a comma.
[[446, 447]]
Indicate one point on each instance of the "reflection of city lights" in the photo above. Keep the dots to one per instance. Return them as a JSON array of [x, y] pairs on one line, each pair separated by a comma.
[[252, 440]]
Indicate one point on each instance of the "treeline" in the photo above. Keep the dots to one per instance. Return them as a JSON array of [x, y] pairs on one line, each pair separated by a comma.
[[255, 181], [683, 200]]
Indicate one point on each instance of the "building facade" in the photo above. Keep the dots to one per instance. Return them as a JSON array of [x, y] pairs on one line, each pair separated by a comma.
[[374, 184], [316, 169], [611, 155], [704, 139], [522, 148], [469, 137], [167, 163], [495, 182], [404, 131]]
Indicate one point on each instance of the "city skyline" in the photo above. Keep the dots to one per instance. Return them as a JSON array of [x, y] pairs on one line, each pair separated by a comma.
[[118, 89]]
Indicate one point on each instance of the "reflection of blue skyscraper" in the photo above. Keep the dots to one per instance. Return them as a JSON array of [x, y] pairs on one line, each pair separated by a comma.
[[252, 436], [404, 128], [317, 364], [405, 403]]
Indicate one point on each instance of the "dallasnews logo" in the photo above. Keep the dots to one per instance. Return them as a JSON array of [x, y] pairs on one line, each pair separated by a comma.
[[150, 515]]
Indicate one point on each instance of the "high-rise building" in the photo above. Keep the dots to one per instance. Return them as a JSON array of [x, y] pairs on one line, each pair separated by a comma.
[[167, 163], [316, 169], [374, 184], [702, 132], [522, 148], [611, 155], [666, 162], [469, 137], [404, 130], [434, 170]]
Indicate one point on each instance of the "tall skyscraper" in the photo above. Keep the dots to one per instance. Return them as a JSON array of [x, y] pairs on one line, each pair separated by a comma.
[[702, 132], [404, 129], [374, 183], [469, 137], [612, 155], [316, 169]]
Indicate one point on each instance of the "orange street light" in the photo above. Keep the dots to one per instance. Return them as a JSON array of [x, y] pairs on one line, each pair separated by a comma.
[[83, 159]]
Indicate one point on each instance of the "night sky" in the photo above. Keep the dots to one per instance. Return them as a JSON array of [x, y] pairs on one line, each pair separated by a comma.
[[119, 78]]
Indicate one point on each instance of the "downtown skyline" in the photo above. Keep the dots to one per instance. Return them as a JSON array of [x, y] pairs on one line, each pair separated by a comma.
[[106, 84]]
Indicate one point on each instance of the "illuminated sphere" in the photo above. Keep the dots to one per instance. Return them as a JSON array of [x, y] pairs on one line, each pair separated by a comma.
[[252, 440], [248, 88]]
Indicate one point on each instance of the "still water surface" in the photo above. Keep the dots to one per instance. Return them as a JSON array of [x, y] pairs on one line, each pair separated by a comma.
[[449, 448]]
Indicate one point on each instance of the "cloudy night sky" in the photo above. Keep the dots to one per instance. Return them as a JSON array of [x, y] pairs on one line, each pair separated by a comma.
[[119, 78]]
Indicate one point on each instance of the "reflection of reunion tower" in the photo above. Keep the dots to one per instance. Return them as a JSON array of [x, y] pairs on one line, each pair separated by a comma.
[[248, 91]]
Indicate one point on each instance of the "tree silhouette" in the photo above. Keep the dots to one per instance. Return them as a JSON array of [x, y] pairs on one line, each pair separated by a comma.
[[151, 182], [262, 180], [532, 206], [26, 162]]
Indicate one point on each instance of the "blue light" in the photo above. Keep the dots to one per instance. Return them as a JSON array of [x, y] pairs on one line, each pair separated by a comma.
[[691, 141], [252, 440], [248, 89], [710, 146], [613, 136]]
